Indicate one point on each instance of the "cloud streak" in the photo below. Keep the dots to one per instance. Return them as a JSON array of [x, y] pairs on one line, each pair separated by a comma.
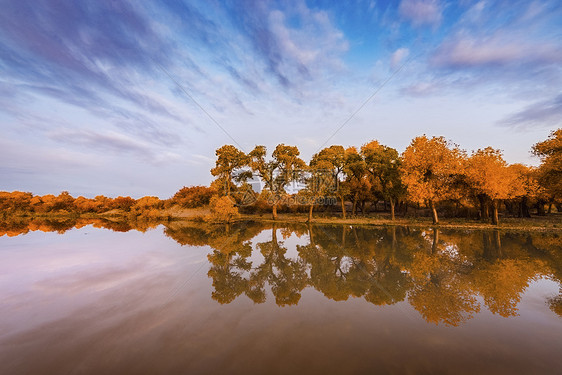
[[421, 12], [545, 114]]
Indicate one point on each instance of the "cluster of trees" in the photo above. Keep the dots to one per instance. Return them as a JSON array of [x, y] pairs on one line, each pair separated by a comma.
[[17, 202], [431, 172], [384, 266]]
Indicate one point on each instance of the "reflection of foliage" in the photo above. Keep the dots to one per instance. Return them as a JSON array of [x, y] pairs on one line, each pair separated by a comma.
[[441, 292], [438, 301], [502, 283], [287, 277], [555, 304], [439, 272], [23, 225], [227, 273]]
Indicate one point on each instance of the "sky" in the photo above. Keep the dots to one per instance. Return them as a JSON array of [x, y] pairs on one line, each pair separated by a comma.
[[134, 97]]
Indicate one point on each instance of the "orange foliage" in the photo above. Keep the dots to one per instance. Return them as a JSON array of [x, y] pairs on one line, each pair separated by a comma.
[[223, 209], [193, 196]]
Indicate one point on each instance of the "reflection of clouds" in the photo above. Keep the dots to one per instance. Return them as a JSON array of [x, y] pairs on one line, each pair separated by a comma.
[[92, 280], [141, 304]]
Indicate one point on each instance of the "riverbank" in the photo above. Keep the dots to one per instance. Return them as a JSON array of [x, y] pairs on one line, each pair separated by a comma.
[[551, 222]]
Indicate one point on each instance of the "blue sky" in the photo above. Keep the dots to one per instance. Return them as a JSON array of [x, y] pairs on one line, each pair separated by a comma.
[[98, 97]]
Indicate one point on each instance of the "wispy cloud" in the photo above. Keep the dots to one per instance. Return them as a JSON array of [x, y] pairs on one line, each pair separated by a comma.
[[545, 114], [109, 141], [293, 52], [421, 12], [398, 56], [498, 51]]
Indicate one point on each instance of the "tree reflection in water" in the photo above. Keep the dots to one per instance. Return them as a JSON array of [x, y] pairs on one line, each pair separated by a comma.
[[447, 275]]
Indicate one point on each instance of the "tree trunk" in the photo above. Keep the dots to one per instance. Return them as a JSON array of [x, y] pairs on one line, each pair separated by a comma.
[[354, 208], [310, 208], [540, 208], [524, 207], [274, 235], [391, 209], [498, 243], [274, 211], [509, 207], [495, 204], [435, 240], [343, 207], [433, 212], [483, 207]]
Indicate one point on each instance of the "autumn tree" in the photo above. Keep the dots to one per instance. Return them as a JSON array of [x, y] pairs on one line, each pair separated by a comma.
[[285, 167], [356, 184], [63, 201], [82, 204], [123, 203], [549, 173], [326, 169], [524, 188], [489, 175], [193, 196], [147, 206], [229, 168], [15, 201], [429, 168], [319, 183], [103, 203], [383, 163]]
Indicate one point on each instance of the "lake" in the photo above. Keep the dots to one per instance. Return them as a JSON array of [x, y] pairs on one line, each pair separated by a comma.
[[102, 297]]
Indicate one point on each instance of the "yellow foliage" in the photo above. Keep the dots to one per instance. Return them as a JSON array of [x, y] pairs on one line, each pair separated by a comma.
[[429, 168], [223, 209], [489, 174]]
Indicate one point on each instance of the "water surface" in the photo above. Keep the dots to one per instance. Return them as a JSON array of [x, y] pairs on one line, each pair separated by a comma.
[[148, 298]]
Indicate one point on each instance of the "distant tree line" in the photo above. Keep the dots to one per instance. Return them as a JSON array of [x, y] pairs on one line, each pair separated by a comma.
[[431, 172], [21, 203]]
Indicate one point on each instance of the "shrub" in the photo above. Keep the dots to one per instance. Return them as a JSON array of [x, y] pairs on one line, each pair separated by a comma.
[[193, 196], [223, 209]]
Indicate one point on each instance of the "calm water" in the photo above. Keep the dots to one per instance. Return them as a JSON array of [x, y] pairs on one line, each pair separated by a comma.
[[102, 297]]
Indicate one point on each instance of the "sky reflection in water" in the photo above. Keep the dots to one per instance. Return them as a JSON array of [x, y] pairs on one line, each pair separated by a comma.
[[249, 298]]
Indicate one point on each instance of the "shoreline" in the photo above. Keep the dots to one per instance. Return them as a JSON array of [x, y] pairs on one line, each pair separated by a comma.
[[551, 222]]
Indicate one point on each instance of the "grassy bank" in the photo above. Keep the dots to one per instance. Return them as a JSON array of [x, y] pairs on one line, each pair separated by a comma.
[[551, 222]]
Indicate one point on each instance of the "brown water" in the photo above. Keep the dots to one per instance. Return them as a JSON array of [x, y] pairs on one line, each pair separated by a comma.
[[251, 298]]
